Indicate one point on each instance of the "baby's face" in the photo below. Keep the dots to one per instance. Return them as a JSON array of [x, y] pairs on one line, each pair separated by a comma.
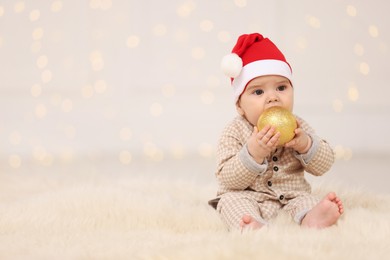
[[264, 92]]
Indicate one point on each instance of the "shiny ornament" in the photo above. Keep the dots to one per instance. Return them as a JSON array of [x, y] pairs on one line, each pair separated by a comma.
[[283, 121]]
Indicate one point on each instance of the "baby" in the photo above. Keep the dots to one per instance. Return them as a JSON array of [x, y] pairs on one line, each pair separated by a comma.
[[256, 177]]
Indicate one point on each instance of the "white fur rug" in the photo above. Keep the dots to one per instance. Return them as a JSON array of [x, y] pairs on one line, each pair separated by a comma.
[[146, 218]]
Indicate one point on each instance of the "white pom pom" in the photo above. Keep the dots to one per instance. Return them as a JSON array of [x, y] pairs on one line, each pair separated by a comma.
[[231, 65]]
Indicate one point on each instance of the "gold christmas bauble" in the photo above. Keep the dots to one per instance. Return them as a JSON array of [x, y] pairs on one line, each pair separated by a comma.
[[283, 121]]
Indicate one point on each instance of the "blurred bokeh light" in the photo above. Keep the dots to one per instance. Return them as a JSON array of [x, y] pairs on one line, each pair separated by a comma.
[[141, 79]]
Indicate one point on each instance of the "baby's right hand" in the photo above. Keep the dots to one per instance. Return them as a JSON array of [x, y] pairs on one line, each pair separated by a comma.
[[261, 144]]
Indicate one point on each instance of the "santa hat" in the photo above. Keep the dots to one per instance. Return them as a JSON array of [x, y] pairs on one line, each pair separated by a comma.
[[253, 56]]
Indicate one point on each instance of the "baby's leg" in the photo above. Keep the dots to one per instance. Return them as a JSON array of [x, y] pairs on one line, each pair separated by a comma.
[[325, 213], [239, 211]]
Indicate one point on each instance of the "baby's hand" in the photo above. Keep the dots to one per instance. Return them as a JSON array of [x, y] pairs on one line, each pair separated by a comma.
[[301, 141], [261, 144]]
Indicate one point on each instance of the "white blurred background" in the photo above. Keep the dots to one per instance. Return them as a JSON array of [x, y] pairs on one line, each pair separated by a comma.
[[138, 83]]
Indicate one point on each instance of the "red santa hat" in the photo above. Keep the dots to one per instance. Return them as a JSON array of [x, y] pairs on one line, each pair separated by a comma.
[[253, 56]]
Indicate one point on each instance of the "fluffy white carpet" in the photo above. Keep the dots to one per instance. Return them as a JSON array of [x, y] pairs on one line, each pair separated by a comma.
[[149, 218]]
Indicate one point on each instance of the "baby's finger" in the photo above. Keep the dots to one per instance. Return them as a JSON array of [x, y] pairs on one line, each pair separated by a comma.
[[268, 135], [264, 130], [298, 131], [290, 144], [274, 140], [255, 131]]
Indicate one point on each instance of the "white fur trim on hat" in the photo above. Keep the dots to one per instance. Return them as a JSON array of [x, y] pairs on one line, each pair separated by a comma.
[[231, 65], [259, 68]]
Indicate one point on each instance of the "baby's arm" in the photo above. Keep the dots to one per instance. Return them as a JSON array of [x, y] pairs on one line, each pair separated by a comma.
[[318, 156], [261, 144], [237, 169], [301, 142]]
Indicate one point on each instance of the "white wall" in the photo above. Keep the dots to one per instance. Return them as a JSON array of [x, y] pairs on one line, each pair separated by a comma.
[[141, 79]]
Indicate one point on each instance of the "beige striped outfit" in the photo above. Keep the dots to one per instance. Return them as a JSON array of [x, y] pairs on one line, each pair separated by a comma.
[[261, 190]]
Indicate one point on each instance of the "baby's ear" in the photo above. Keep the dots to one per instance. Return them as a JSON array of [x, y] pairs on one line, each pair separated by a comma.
[[240, 111]]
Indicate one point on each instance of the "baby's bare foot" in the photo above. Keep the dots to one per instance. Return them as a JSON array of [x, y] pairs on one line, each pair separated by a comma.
[[248, 222], [325, 213]]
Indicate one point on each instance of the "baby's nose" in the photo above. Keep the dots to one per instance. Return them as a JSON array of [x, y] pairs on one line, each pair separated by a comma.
[[272, 99]]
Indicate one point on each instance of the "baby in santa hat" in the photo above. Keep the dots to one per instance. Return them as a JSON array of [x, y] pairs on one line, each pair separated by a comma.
[[257, 178]]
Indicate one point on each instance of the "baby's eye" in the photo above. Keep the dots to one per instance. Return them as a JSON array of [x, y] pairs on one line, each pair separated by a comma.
[[281, 88], [258, 92]]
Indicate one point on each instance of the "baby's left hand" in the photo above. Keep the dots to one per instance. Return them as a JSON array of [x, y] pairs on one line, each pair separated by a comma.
[[301, 141]]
